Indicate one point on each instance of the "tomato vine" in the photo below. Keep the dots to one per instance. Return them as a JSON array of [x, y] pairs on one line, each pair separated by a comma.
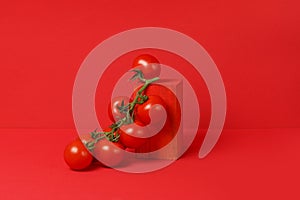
[[128, 110]]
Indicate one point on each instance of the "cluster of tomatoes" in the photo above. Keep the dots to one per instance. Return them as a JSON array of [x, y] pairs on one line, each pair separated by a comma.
[[131, 117]]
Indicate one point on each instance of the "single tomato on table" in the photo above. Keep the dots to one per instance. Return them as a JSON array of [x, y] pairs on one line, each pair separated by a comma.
[[77, 156]]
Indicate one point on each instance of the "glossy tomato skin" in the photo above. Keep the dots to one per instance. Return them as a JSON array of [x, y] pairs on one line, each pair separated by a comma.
[[77, 156], [109, 153], [148, 64], [155, 103], [133, 135], [172, 124], [113, 108]]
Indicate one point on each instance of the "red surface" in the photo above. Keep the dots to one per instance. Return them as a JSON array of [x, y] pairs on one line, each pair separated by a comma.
[[246, 164], [256, 46]]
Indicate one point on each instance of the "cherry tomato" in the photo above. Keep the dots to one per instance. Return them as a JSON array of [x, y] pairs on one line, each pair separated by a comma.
[[114, 108], [148, 64], [172, 124], [154, 103], [77, 156], [109, 153], [133, 135]]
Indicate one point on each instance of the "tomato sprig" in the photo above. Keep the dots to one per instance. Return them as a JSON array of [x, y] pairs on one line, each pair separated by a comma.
[[128, 109]]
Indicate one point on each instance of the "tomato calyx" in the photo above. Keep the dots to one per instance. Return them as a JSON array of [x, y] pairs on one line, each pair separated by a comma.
[[112, 134]]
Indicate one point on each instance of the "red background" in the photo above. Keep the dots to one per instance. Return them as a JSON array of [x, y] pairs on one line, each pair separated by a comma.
[[255, 45]]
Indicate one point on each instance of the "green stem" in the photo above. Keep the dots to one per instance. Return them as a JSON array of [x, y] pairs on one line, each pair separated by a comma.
[[140, 91], [128, 119]]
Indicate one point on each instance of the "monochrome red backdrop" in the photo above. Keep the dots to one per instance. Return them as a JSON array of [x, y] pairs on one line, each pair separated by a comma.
[[255, 45]]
